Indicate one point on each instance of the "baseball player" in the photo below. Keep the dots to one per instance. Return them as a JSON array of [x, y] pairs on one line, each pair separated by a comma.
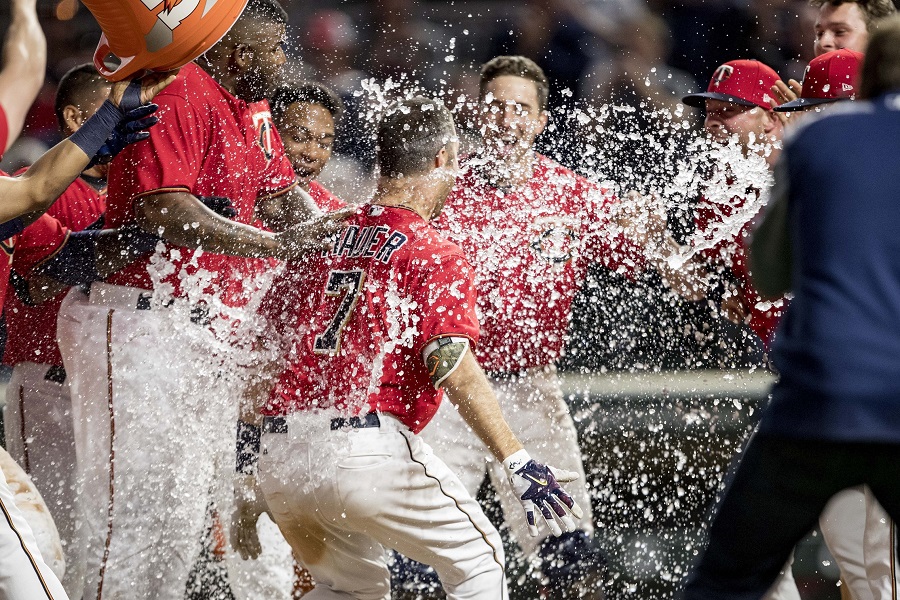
[[372, 334], [140, 411], [529, 227], [37, 417], [305, 115], [832, 422], [840, 24]]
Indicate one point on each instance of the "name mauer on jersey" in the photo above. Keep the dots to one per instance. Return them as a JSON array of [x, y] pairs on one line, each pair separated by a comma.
[[372, 241]]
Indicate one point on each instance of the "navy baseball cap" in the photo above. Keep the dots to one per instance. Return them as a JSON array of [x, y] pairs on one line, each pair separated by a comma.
[[744, 82], [830, 77]]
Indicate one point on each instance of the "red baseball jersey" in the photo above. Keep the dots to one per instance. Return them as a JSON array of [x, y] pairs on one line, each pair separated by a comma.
[[29, 249], [731, 253], [31, 330], [356, 320], [323, 198], [530, 247], [208, 143]]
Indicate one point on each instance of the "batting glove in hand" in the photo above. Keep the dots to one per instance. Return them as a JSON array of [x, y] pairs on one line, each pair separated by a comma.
[[537, 487], [131, 128], [249, 504]]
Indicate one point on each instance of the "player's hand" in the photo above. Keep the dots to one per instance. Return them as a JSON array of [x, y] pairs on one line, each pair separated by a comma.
[[132, 128], [734, 309], [641, 220], [538, 489], [313, 236], [249, 504], [786, 92], [128, 94]]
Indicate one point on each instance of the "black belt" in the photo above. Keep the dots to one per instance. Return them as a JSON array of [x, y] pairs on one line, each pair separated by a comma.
[[279, 424], [56, 374]]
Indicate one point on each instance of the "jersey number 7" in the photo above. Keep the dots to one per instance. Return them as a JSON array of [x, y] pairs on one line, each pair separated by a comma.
[[340, 283]]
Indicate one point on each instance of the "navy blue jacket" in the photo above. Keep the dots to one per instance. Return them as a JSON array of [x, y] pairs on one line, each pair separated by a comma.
[[838, 347]]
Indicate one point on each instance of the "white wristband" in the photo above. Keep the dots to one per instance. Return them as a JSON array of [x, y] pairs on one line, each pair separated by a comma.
[[516, 461]]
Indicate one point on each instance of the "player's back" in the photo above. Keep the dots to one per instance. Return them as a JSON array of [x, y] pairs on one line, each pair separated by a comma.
[[838, 345], [357, 318]]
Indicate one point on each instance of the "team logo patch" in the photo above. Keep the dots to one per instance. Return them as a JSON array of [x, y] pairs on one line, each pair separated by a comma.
[[263, 123], [722, 74], [555, 243]]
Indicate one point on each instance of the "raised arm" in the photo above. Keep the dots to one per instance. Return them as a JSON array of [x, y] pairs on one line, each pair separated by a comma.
[[24, 67]]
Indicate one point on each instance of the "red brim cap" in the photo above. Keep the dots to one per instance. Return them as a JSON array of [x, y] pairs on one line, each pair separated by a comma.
[[744, 82]]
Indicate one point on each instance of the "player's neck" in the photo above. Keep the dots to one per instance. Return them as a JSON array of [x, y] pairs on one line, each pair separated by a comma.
[[412, 193]]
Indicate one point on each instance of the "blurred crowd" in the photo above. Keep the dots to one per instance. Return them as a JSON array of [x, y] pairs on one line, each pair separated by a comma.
[[595, 52]]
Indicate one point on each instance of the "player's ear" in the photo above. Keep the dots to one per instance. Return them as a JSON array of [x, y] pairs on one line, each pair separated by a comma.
[[772, 122], [242, 57], [542, 120], [441, 158], [72, 118]]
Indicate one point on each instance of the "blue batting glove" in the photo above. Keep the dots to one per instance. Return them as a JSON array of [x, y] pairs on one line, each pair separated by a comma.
[[538, 490]]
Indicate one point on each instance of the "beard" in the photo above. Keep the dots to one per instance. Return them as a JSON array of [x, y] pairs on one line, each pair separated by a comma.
[[255, 85]]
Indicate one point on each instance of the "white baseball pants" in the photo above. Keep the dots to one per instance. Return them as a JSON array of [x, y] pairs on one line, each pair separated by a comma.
[[860, 536], [23, 573], [534, 407], [39, 435], [150, 417], [342, 497]]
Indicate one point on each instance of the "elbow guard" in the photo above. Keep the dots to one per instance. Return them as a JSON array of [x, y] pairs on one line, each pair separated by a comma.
[[442, 356]]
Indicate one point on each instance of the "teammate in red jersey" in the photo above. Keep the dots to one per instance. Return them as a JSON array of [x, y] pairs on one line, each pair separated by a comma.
[[530, 227], [371, 335], [306, 115], [215, 138]]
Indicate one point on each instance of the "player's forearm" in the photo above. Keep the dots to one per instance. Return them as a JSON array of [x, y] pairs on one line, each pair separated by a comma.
[[470, 391], [24, 65], [287, 210], [40, 186], [182, 220]]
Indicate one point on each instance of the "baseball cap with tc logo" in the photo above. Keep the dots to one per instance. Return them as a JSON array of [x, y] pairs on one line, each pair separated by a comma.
[[744, 82], [829, 77]]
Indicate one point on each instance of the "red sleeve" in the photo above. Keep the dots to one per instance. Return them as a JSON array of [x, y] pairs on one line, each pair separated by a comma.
[[279, 175], [37, 243], [445, 300], [604, 242], [170, 160], [4, 131]]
